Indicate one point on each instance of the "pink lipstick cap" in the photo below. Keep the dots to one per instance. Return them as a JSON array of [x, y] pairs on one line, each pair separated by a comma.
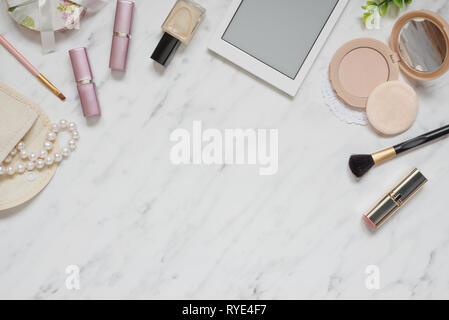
[[122, 34], [84, 80]]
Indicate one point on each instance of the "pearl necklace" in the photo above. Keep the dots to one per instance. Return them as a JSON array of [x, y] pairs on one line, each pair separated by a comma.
[[38, 160]]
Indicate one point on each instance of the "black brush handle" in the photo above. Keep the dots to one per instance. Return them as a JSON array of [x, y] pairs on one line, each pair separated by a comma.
[[418, 141]]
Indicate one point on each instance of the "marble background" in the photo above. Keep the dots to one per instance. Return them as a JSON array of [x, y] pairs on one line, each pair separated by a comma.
[[139, 227]]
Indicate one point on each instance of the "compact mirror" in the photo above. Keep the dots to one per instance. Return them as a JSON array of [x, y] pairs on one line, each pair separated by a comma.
[[420, 38], [419, 47], [422, 45]]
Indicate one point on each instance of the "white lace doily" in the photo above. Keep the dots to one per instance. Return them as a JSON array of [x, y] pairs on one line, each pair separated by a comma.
[[340, 109]]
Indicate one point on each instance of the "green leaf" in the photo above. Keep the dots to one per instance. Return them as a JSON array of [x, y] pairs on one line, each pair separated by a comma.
[[384, 9], [366, 16], [399, 3], [408, 2]]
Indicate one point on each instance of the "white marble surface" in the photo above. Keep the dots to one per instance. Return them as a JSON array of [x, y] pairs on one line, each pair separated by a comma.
[[139, 227]]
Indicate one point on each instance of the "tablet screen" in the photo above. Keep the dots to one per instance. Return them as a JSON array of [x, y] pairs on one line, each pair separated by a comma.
[[279, 33]]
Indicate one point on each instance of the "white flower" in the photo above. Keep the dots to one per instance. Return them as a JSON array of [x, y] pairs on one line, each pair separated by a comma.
[[372, 18]]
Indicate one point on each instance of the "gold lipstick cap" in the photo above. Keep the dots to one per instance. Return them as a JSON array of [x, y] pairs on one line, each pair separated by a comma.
[[395, 199]]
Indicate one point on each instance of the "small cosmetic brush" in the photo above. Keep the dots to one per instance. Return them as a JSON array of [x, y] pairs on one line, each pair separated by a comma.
[[360, 164], [8, 46]]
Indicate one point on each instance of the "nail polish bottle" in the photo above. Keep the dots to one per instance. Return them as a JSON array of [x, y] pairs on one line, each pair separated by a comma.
[[122, 35], [179, 27]]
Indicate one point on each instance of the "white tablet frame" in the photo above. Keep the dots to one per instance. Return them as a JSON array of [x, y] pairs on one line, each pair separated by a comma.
[[262, 70]]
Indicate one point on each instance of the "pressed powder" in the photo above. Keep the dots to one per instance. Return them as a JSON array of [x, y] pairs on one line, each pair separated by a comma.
[[419, 46], [392, 107], [358, 67], [375, 71]]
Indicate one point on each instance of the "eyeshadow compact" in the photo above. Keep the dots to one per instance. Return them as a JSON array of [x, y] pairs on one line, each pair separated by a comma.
[[364, 72]]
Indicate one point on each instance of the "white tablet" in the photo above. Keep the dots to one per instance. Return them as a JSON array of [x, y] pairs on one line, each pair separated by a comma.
[[277, 40]]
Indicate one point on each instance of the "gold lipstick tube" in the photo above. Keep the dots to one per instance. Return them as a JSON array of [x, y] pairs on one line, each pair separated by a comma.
[[395, 199]]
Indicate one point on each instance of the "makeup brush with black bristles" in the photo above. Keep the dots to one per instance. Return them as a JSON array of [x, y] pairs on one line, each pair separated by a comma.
[[360, 164]]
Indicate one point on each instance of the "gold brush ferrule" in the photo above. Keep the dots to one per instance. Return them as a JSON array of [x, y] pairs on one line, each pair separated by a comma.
[[48, 84], [384, 155], [395, 199]]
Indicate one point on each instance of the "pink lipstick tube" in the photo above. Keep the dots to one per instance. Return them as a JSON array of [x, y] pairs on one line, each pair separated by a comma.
[[122, 35], [84, 80]]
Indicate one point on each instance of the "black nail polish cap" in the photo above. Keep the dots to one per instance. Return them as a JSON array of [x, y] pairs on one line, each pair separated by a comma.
[[165, 49]]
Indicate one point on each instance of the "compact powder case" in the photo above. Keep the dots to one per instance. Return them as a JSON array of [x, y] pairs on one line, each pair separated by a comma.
[[359, 66], [364, 72], [421, 39], [418, 47]]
